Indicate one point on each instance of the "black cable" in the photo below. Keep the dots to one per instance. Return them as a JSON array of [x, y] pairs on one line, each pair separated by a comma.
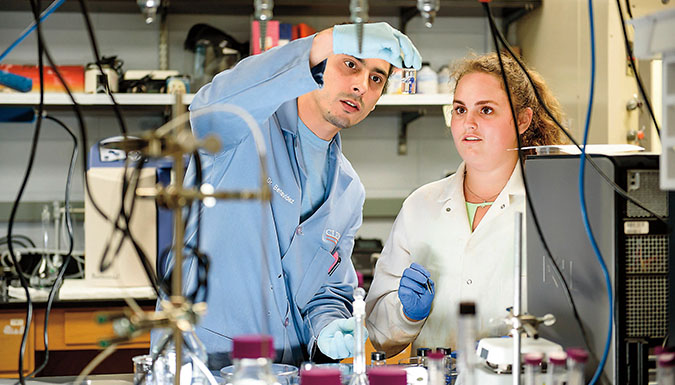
[[630, 12], [97, 58], [31, 158], [15, 237], [590, 160], [629, 52], [59, 278], [528, 197]]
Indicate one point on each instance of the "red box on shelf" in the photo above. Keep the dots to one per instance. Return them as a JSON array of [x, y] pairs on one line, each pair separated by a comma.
[[272, 36], [73, 75]]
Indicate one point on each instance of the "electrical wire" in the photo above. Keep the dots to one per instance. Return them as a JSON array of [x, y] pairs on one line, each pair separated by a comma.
[[630, 12], [582, 200], [31, 158], [15, 238], [549, 254], [629, 52]]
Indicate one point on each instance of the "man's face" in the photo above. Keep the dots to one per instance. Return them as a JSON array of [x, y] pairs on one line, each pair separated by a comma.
[[351, 88]]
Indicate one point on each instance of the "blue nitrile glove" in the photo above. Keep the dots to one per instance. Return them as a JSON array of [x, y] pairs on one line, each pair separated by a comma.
[[380, 41], [336, 340], [415, 295]]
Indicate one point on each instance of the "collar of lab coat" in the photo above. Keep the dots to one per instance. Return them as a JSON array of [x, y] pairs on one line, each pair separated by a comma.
[[454, 190], [288, 121]]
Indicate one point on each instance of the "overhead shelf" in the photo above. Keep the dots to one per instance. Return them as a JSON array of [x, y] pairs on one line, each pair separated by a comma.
[[455, 8], [149, 100]]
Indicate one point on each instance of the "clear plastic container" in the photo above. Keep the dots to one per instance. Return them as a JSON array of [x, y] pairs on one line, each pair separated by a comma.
[[445, 81], [533, 368], [252, 357], [466, 333], [556, 372], [576, 360], [436, 367], [285, 374]]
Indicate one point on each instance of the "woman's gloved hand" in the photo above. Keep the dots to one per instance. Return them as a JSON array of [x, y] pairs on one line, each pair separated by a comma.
[[416, 292], [380, 41], [336, 340]]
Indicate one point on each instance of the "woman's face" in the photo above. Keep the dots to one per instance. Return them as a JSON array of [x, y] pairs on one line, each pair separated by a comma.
[[482, 126]]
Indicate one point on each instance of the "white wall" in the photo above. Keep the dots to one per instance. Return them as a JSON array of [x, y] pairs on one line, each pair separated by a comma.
[[371, 146]]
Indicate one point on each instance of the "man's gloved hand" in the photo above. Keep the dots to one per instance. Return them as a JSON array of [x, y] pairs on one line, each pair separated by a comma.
[[415, 295], [380, 41], [336, 340]]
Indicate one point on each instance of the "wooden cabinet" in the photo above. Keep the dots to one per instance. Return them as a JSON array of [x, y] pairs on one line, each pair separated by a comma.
[[69, 329]]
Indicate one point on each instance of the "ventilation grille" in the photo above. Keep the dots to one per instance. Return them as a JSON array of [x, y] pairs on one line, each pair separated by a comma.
[[643, 186], [646, 286]]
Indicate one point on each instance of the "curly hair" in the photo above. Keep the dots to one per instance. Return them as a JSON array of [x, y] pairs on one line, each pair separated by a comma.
[[543, 130]]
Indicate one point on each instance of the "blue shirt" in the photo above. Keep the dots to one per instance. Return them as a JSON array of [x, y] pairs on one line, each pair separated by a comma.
[[270, 272], [314, 151]]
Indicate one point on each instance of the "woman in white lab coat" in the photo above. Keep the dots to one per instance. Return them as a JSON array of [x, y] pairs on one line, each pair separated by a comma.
[[453, 239]]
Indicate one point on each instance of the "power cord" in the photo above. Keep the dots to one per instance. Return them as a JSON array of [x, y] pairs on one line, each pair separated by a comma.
[[31, 158]]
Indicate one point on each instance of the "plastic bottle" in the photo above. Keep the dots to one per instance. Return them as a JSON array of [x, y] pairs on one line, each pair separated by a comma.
[[427, 80], [466, 333], [436, 368], [378, 359], [320, 377], [387, 375], [448, 363], [445, 81], [532, 368], [164, 368], [556, 373], [394, 82], [665, 368], [252, 357], [576, 360]]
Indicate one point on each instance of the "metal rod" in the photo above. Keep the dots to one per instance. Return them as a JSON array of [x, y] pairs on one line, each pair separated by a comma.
[[518, 235]]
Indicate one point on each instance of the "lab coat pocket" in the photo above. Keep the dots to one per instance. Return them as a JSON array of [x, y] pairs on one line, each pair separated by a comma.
[[315, 276]]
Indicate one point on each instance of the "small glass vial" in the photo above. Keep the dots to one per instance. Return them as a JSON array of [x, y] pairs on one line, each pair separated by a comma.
[[576, 360], [378, 359], [388, 375], [556, 373], [532, 368], [436, 368], [466, 333], [665, 368], [252, 357], [320, 377], [422, 354], [408, 81]]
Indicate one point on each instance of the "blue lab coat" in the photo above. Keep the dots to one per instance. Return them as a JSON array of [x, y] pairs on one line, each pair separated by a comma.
[[270, 273]]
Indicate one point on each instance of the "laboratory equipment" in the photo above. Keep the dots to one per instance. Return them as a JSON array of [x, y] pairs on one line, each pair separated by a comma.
[[532, 368], [497, 352], [466, 339], [665, 368], [320, 377], [107, 264], [252, 357], [263, 13], [556, 371], [142, 369], [633, 243], [149, 9], [576, 359], [387, 375], [193, 360], [359, 15], [428, 9], [446, 83], [394, 82], [359, 377], [436, 368], [378, 359]]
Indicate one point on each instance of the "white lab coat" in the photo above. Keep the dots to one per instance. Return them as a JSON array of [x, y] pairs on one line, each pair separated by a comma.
[[433, 230]]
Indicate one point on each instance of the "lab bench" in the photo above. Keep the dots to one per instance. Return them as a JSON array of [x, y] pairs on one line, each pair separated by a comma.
[[73, 333]]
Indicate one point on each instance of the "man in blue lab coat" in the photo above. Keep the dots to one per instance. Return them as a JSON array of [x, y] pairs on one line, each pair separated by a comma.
[[284, 267]]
